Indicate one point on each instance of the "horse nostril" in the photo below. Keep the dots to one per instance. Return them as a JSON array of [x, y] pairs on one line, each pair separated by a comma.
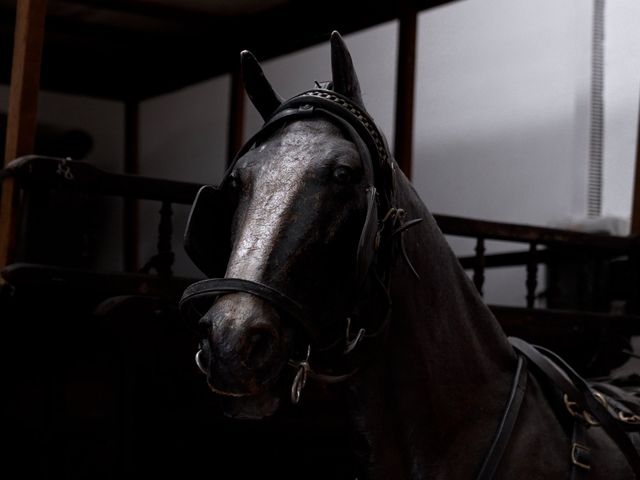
[[260, 343]]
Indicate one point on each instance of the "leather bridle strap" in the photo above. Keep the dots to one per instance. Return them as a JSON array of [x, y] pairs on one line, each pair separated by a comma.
[[213, 287], [507, 423]]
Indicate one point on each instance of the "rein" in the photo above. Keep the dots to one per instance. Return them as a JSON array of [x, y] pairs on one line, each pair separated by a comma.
[[507, 422]]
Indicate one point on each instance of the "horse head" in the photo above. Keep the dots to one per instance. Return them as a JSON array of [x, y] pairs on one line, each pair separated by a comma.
[[290, 239]]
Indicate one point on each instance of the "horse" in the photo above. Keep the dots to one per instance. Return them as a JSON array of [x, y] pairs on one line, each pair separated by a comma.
[[324, 265]]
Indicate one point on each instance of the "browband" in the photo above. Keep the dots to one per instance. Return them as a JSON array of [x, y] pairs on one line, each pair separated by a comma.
[[345, 114]]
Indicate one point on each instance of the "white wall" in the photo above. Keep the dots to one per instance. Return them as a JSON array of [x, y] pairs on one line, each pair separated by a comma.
[[500, 116], [502, 106]]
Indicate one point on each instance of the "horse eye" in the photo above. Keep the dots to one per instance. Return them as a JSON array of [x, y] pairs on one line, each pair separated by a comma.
[[343, 175]]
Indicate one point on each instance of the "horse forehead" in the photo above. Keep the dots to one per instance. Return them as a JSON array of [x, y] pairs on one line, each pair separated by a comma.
[[300, 145], [280, 166]]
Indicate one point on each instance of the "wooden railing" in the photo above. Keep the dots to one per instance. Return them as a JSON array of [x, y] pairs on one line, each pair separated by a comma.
[[541, 245], [36, 173], [575, 332]]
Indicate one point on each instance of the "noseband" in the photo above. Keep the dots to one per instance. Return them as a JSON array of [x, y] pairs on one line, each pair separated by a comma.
[[379, 172]]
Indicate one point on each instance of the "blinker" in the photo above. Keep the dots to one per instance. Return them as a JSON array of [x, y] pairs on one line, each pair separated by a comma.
[[208, 232]]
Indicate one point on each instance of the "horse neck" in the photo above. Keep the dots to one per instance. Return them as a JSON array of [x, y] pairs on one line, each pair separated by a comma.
[[451, 327], [445, 369]]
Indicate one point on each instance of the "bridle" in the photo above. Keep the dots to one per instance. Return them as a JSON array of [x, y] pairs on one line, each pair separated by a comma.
[[333, 350]]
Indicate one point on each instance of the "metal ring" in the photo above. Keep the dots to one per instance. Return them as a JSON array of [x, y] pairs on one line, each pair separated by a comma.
[[590, 419], [574, 458], [198, 363], [584, 414], [633, 419], [570, 405], [600, 397], [299, 382]]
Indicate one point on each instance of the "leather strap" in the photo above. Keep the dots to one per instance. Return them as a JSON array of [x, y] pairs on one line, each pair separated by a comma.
[[557, 376], [580, 452], [507, 423], [569, 382], [212, 287]]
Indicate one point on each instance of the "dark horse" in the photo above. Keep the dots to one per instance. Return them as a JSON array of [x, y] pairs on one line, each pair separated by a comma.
[[326, 266]]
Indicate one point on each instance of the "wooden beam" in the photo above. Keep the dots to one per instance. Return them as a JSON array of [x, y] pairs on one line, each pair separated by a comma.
[[405, 90], [25, 78], [23, 109], [513, 232], [635, 208], [44, 172], [517, 320], [130, 230], [236, 114]]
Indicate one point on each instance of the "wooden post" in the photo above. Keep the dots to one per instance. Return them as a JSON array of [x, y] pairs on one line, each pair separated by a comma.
[[236, 114], [130, 230], [532, 275], [635, 208], [479, 264], [23, 109], [404, 90]]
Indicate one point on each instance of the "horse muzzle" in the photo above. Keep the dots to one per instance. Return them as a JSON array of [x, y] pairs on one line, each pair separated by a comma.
[[245, 349]]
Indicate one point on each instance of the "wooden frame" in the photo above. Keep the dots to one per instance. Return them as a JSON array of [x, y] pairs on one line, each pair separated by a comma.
[[23, 109], [635, 206]]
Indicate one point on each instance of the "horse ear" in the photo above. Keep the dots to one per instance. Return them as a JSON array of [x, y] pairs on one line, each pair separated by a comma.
[[260, 91], [345, 80]]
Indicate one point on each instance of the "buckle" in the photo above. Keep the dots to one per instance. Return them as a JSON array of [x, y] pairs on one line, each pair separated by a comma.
[[580, 455], [300, 379], [632, 419], [572, 408], [306, 108]]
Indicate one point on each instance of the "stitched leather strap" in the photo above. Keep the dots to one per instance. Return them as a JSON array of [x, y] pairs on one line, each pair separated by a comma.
[[205, 289], [580, 452], [507, 422]]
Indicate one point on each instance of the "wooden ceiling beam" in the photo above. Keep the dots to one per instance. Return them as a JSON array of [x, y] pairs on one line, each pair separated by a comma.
[[160, 11], [118, 61]]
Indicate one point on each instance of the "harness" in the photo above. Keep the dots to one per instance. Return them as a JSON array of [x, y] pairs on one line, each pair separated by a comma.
[[587, 407], [207, 244]]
